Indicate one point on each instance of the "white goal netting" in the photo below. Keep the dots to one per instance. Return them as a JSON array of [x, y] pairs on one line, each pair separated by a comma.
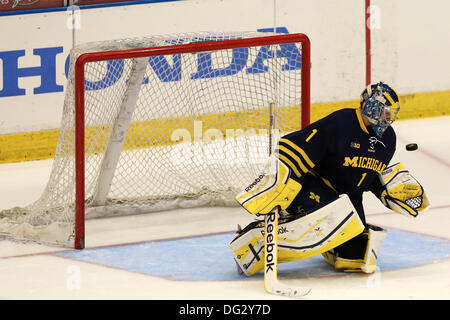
[[166, 131]]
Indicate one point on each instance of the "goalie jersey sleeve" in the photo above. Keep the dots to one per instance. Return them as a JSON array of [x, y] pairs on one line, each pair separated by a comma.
[[340, 150]]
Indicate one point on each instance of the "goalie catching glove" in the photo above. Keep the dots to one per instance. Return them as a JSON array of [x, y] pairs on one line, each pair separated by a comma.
[[402, 192]]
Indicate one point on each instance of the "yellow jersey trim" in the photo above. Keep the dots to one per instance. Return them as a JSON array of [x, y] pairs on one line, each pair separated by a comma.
[[299, 150], [361, 121]]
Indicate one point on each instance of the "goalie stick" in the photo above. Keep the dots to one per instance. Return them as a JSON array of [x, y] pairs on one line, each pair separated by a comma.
[[271, 282]]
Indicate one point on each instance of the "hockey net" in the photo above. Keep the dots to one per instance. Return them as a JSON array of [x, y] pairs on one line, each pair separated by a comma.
[[165, 122]]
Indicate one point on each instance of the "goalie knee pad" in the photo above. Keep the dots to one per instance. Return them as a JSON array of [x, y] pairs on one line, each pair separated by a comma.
[[298, 238], [360, 254]]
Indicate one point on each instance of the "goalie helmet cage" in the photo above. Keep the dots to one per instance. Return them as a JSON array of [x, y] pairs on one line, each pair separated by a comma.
[[156, 123]]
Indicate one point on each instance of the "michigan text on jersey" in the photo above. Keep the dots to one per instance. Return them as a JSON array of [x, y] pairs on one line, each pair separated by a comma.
[[364, 162]]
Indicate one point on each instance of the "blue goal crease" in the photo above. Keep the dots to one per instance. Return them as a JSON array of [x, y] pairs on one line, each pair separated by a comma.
[[207, 257]]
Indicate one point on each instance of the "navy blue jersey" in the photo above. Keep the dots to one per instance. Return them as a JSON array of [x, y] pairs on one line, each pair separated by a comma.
[[342, 152]]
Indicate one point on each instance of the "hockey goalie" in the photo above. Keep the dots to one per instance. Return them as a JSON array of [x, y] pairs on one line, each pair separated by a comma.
[[316, 178]]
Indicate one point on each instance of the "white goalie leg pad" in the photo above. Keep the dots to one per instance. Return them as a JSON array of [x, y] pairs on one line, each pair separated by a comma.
[[304, 237], [367, 262], [376, 235], [247, 248], [403, 193]]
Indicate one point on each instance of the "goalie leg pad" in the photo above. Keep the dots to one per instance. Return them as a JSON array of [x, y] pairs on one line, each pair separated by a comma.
[[270, 189], [300, 238], [359, 254]]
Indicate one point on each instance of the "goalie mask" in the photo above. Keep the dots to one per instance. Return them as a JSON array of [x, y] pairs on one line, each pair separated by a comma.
[[380, 103]]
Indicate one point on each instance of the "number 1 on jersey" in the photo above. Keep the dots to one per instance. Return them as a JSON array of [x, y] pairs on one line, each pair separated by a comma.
[[311, 135], [362, 178]]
